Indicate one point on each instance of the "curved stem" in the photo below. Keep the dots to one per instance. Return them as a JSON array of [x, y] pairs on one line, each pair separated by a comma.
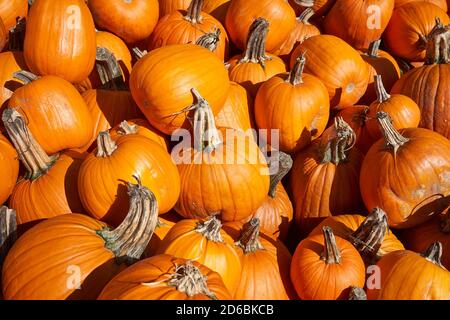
[[249, 240], [210, 229], [380, 90], [105, 145], [8, 228], [306, 15], [391, 136], [434, 254], [109, 70], [138, 53], [357, 294], [336, 142], [295, 76], [438, 44], [210, 40], [17, 35], [33, 157], [284, 166], [194, 11], [255, 51], [331, 254], [129, 240], [374, 46], [25, 76]]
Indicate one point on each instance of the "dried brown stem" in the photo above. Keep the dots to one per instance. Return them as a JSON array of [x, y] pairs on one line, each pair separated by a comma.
[[249, 240], [392, 137], [105, 145], [336, 142]]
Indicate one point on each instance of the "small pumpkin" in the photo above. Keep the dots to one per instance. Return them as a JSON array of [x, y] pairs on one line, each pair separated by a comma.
[[9, 168], [11, 11], [164, 277], [217, 8], [141, 127], [255, 66], [296, 103], [76, 243], [325, 267], [420, 276]]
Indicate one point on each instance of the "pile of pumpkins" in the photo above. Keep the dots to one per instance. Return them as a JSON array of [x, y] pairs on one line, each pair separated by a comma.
[[101, 200]]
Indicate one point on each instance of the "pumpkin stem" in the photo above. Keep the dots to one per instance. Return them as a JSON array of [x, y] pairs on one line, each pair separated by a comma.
[[17, 35], [105, 145], [295, 76], [109, 70], [8, 228], [370, 234], [306, 15], [138, 53], [210, 40], [331, 254], [391, 136], [188, 279], [336, 141], [382, 95], [445, 223], [374, 46], [249, 240], [25, 76], [305, 3], [284, 166], [129, 240], [255, 51], [33, 157], [438, 44], [125, 128], [194, 12], [434, 254], [357, 293], [210, 229]]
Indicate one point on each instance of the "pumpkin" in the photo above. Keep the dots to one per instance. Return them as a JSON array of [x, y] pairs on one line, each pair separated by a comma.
[[265, 263], [440, 3], [302, 31], [164, 277], [276, 213], [338, 65], [224, 173], [369, 235], [406, 174], [217, 8], [10, 63], [132, 21], [428, 85], [407, 31], [359, 22], [380, 63], [77, 255], [242, 13], [324, 267], [420, 276], [163, 90], [141, 127], [255, 66], [325, 177], [419, 238], [301, 96], [106, 170], [60, 39], [205, 242], [169, 6], [9, 168], [165, 222], [56, 113], [404, 112], [181, 27], [11, 11], [320, 7]]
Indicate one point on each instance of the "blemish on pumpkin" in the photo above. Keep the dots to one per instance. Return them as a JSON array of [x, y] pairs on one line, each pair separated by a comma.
[[350, 87]]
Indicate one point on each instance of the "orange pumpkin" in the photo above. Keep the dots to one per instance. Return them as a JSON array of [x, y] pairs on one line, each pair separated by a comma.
[[60, 39], [165, 222], [255, 66], [169, 6], [165, 277], [320, 7], [324, 267], [217, 8], [13, 10], [77, 245], [132, 21], [188, 26], [338, 65], [9, 168], [406, 174], [163, 92], [3, 35], [440, 3], [301, 96]]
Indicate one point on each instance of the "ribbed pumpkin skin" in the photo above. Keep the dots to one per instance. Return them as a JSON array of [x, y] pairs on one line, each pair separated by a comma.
[[130, 20], [128, 285], [428, 87], [242, 13], [409, 184], [346, 224], [10, 62], [10, 10], [56, 113], [67, 51], [175, 29], [338, 65], [169, 6], [54, 193], [185, 242], [408, 23], [405, 275], [41, 263], [102, 181], [440, 3], [9, 168], [217, 8], [161, 83]]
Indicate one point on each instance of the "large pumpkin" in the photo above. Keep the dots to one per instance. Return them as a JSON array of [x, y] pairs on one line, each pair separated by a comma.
[[407, 275], [74, 256], [297, 104], [9, 168], [165, 277], [338, 65], [406, 174], [162, 80], [60, 39], [13, 10]]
